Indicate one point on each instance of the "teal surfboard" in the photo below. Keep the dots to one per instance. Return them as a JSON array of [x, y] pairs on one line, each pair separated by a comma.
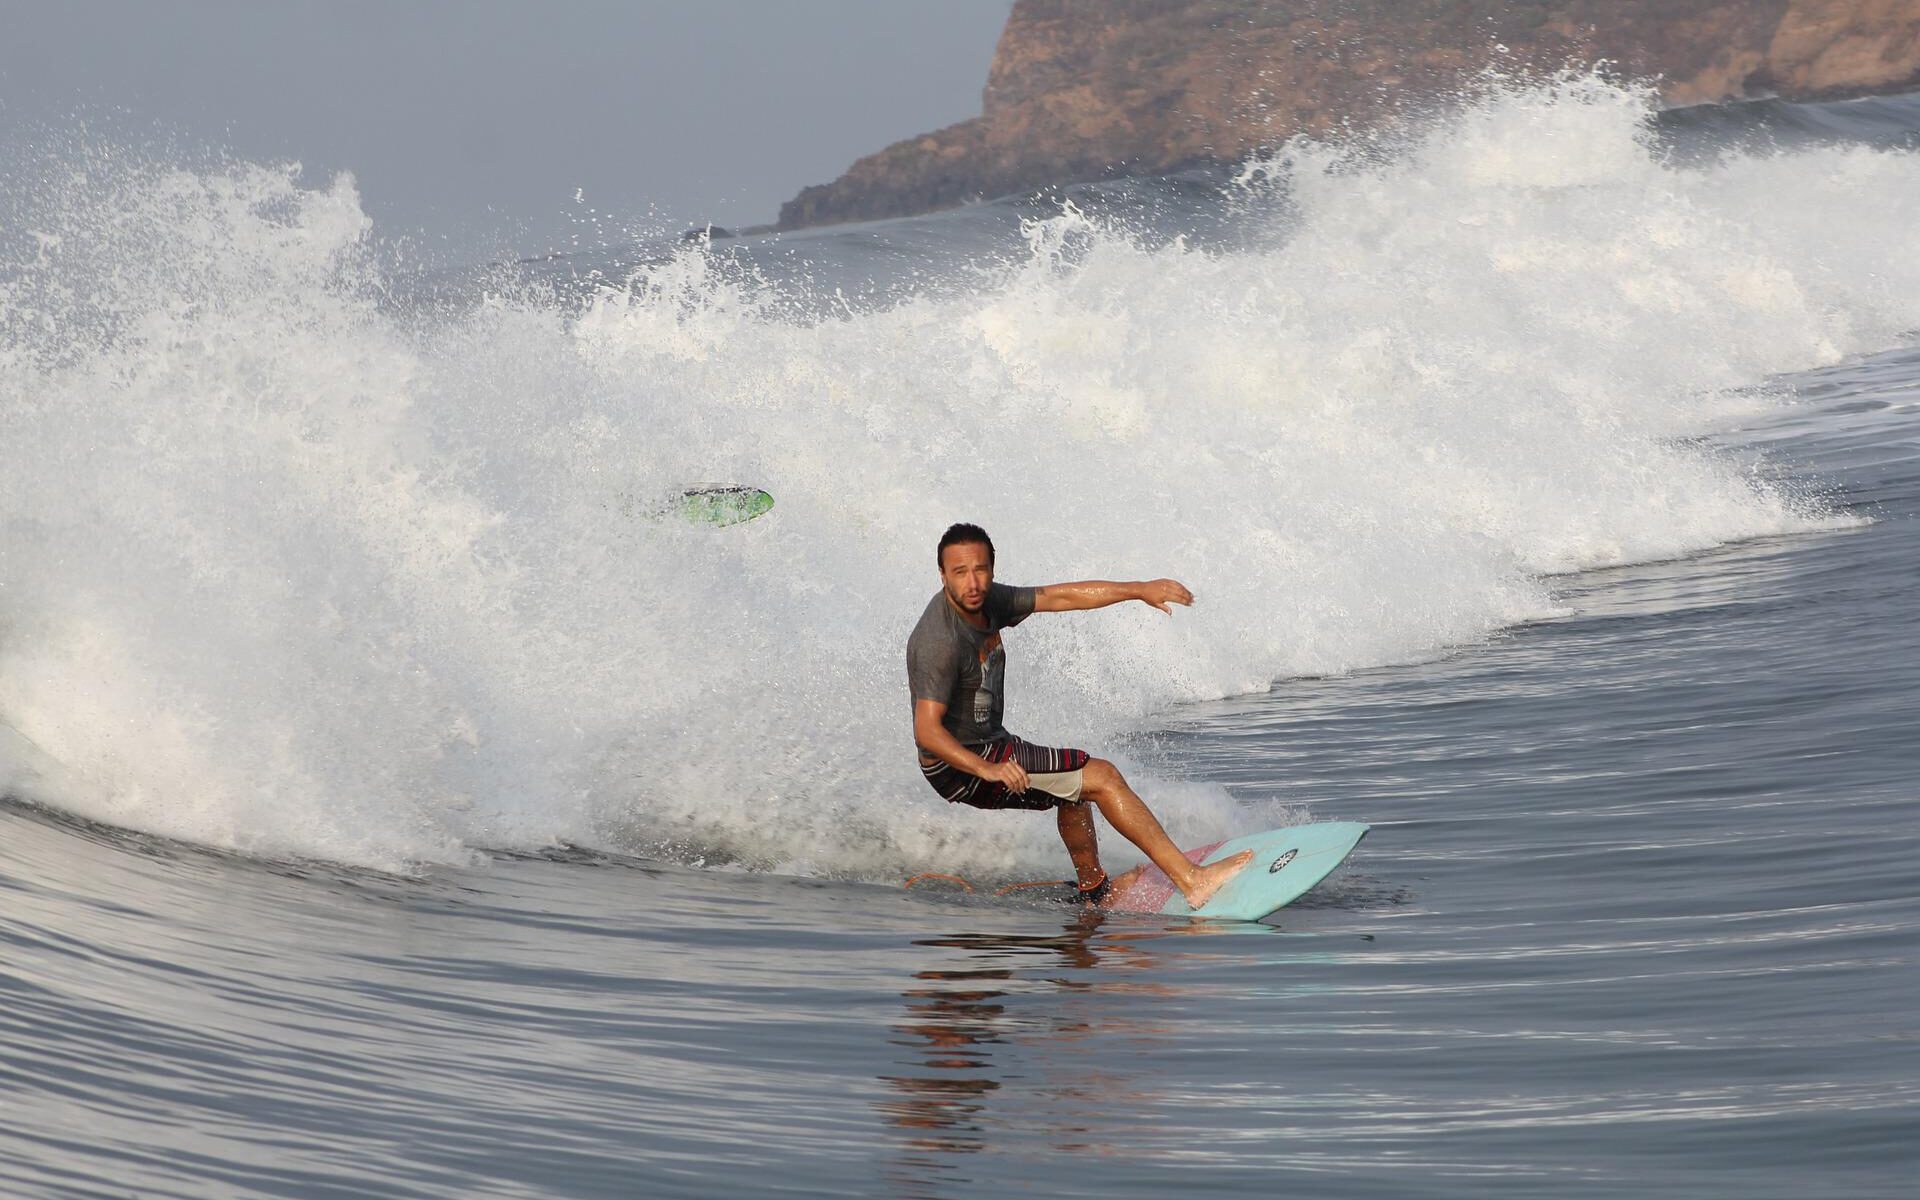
[[1286, 864]]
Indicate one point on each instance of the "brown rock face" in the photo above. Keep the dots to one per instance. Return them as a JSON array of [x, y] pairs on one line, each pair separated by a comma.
[[1081, 89]]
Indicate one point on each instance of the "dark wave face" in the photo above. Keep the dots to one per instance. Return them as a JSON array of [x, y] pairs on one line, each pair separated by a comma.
[[397, 805]]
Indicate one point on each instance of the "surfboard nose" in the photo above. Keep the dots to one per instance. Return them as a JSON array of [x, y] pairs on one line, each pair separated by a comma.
[[1287, 863]]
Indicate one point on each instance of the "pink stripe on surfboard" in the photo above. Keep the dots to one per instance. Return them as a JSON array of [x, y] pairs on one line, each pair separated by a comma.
[[1150, 889]]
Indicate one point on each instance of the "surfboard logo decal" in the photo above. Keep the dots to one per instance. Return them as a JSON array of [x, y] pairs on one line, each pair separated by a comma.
[[1282, 861]]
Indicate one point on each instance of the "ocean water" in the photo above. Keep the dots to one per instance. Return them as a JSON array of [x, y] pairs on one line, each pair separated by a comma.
[[394, 808]]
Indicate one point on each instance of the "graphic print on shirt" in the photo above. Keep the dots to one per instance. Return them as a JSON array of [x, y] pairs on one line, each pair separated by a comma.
[[993, 667]]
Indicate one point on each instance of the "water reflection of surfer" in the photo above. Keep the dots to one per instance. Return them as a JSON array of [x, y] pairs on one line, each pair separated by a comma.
[[956, 669], [1003, 1041], [957, 1015]]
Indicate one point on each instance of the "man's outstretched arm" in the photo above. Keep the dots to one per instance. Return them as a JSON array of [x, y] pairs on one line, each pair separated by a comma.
[[1098, 593]]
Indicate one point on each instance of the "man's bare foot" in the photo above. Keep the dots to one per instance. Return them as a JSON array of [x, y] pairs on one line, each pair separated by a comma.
[[1211, 878]]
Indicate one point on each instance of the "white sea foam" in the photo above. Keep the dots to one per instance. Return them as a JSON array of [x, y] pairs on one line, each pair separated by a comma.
[[285, 572]]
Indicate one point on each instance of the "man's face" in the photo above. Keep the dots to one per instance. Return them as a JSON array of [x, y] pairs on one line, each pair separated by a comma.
[[965, 571]]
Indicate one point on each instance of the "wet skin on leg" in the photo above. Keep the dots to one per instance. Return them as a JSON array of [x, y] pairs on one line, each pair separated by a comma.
[[1083, 844], [1102, 783]]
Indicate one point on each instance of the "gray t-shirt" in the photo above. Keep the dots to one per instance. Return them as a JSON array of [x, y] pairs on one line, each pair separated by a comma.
[[962, 667]]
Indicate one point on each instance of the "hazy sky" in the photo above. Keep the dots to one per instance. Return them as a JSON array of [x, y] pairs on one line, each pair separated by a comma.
[[464, 116]]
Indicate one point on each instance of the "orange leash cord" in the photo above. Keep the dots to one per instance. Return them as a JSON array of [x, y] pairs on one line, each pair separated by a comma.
[[1012, 887], [913, 879]]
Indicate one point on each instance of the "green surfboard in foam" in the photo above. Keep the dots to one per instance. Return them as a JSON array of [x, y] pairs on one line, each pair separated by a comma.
[[718, 504]]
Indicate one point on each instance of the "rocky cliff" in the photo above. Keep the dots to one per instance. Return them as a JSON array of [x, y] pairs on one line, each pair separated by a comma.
[[1081, 89]]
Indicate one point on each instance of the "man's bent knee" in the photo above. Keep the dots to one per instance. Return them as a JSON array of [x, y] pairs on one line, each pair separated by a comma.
[[1100, 777]]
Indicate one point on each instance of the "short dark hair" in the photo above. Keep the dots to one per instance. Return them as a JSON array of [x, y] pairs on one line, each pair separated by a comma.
[[962, 534]]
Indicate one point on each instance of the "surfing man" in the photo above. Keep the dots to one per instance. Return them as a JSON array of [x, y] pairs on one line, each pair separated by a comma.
[[956, 670]]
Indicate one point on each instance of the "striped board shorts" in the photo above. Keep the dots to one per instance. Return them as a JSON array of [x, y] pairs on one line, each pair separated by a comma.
[[1053, 776]]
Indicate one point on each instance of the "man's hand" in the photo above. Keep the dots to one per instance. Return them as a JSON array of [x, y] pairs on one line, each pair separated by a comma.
[[1164, 592], [1010, 773], [934, 739]]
